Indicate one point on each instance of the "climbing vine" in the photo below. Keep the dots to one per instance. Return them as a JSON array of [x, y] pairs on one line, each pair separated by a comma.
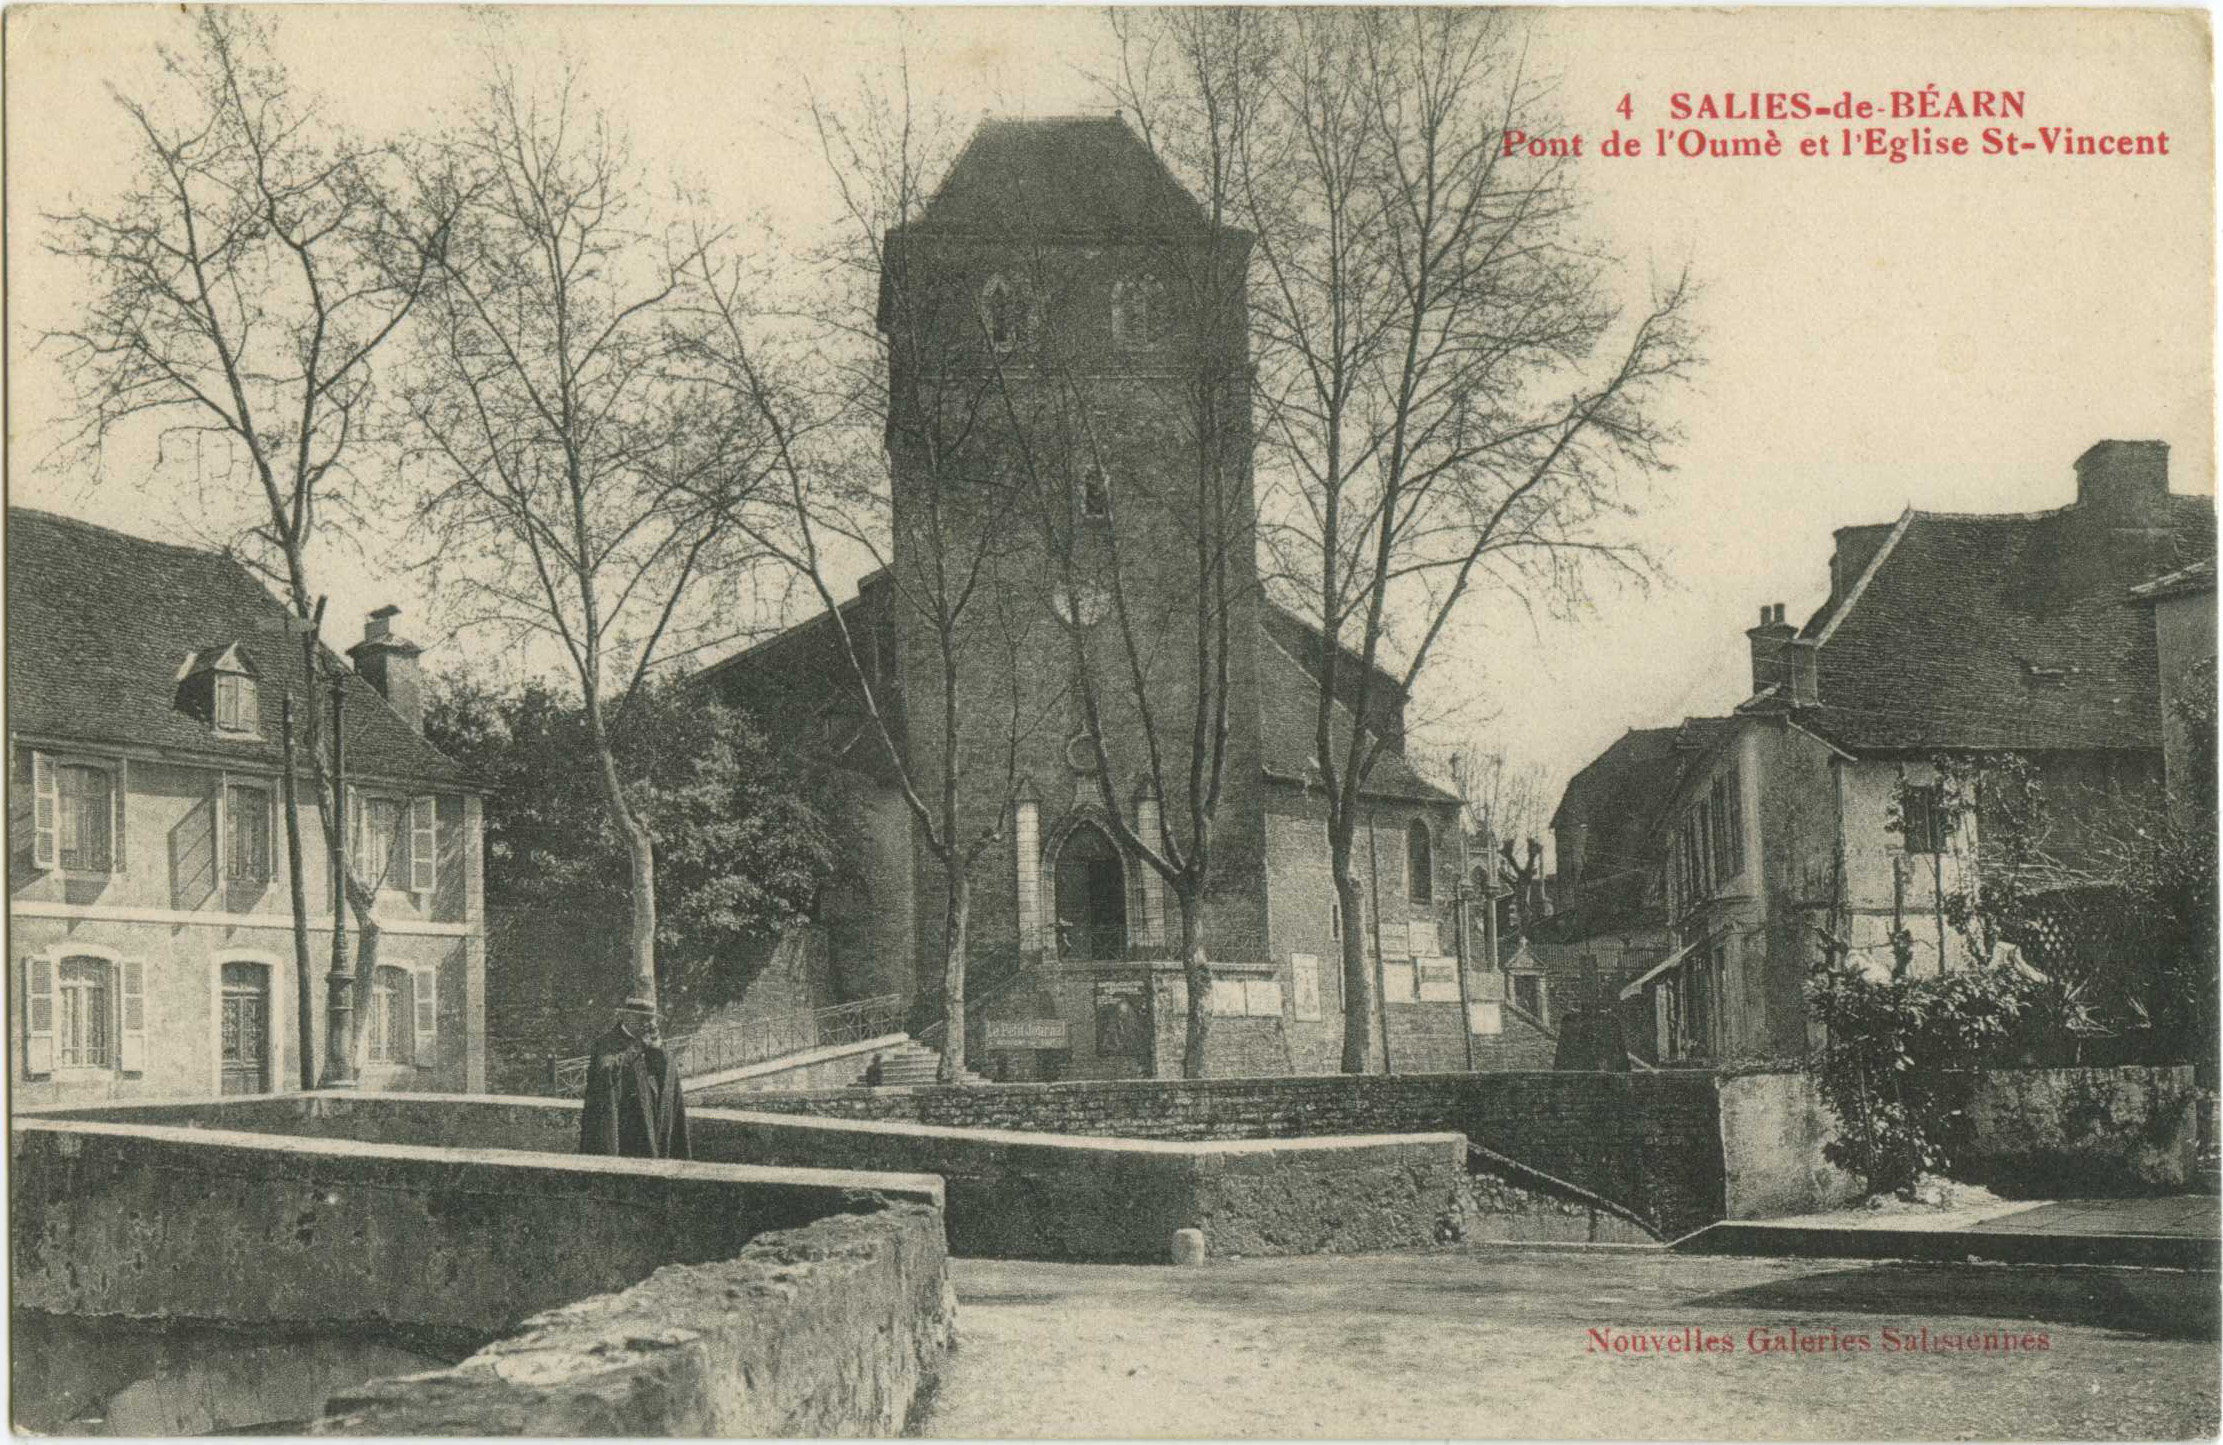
[[1897, 1059]]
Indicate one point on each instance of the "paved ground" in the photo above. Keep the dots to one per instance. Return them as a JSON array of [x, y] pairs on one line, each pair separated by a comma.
[[2185, 1214], [2191, 1214], [1522, 1344]]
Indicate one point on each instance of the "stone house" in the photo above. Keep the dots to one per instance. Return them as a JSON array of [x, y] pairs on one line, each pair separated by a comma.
[[1610, 922], [2182, 603], [1810, 814], [150, 939], [1066, 274]]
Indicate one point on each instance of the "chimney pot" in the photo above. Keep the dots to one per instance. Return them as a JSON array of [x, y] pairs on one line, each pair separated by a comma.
[[1768, 641], [389, 663]]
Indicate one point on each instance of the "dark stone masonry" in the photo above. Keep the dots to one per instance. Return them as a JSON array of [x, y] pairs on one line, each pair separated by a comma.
[[1650, 1143]]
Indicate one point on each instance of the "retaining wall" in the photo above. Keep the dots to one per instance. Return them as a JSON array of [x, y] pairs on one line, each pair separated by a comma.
[[1009, 1193], [2053, 1133], [2037, 1134], [155, 1221], [827, 1330], [1650, 1142]]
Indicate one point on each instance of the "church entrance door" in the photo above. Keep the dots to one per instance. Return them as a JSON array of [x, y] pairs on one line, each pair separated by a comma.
[[1091, 897]]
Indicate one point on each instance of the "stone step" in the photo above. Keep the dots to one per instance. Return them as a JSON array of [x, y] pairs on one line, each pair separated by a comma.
[[911, 1064]]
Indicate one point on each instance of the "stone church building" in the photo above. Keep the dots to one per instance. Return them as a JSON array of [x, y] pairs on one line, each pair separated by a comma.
[[1064, 320]]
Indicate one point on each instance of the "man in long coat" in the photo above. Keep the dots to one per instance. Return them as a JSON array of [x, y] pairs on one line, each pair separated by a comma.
[[634, 1104]]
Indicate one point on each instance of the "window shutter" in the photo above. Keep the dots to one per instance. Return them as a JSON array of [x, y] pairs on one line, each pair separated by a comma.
[[424, 844], [120, 792], [46, 851], [354, 836], [424, 1045], [132, 1055], [220, 829], [38, 1015]]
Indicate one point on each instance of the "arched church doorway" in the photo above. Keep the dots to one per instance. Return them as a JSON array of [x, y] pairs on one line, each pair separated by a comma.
[[1091, 896]]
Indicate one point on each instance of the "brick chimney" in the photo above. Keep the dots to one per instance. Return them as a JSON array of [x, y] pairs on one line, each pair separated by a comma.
[[2127, 483], [1768, 642], [388, 662]]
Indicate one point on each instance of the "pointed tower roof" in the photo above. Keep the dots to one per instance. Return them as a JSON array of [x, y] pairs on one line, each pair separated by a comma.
[[1059, 175]]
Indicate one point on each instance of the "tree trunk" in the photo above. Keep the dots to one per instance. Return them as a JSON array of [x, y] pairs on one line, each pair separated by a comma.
[[1198, 970], [956, 923], [297, 887], [366, 973], [640, 851], [1358, 984]]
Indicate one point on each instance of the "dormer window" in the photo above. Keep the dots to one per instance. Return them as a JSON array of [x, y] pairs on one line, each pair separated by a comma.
[[1006, 314], [218, 686], [1138, 312], [235, 703]]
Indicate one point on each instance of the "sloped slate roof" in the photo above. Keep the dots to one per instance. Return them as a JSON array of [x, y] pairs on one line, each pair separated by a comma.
[[1287, 703], [1059, 175], [2002, 632], [100, 625], [1620, 796]]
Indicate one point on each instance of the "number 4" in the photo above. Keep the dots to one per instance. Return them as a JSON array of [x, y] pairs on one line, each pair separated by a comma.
[[1624, 107]]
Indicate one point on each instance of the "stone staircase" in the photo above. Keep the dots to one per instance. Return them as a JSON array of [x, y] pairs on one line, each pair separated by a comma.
[[910, 1064]]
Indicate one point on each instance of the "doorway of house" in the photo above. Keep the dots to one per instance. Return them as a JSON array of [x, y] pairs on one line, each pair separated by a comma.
[[1091, 896], [245, 1031]]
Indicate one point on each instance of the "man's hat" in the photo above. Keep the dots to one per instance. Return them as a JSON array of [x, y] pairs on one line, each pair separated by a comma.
[[638, 1005]]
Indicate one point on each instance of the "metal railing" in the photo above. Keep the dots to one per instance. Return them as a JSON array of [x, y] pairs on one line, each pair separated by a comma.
[[731, 1046]]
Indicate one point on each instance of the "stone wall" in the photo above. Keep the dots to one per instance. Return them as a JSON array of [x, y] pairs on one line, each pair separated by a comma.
[[830, 1330], [156, 1221], [1648, 1142], [2039, 1133], [1010, 1194], [1773, 1130], [1046, 1196], [2056, 1133]]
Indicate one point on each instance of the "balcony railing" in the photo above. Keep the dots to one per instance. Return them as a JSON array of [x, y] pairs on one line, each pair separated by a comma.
[[733, 1046]]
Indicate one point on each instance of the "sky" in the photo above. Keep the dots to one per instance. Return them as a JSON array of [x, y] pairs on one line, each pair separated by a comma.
[[1948, 333]]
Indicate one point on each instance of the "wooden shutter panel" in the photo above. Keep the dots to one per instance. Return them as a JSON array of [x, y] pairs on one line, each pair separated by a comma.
[[132, 1037], [220, 827], [46, 848], [354, 838], [424, 844], [119, 783], [424, 1044], [38, 1015]]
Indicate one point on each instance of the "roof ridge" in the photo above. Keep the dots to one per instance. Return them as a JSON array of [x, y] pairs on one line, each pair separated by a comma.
[[41, 514], [1868, 573]]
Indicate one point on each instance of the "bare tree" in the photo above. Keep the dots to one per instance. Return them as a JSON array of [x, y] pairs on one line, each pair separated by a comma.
[[1451, 396], [878, 414], [240, 292], [583, 491]]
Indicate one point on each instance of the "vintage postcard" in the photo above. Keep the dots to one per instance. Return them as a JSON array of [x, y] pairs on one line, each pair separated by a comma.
[[1067, 722]]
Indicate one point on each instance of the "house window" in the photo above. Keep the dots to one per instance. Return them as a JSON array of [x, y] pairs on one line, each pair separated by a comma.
[[1922, 819], [391, 1008], [1005, 314], [1420, 864], [1138, 312], [247, 829], [83, 1014], [88, 814], [235, 704], [381, 861], [1095, 493]]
